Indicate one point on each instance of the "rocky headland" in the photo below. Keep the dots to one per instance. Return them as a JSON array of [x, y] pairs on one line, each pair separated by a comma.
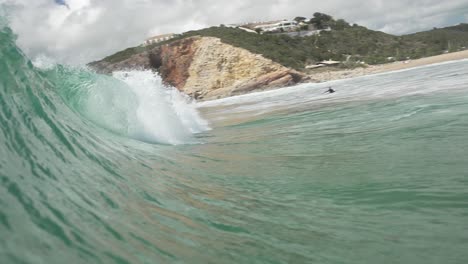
[[206, 68]]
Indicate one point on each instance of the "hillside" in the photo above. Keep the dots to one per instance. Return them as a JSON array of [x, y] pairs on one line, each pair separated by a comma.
[[345, 42], [437, 41], [223, 61]]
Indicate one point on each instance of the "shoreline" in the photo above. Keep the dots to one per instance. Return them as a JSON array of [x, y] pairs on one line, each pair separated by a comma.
[[332, 75]]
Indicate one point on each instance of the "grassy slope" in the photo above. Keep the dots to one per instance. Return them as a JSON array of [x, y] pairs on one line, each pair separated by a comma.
[[362, 44]]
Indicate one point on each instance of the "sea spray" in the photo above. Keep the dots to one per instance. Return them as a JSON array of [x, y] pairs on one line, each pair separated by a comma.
[[43, 62], [162, 113]]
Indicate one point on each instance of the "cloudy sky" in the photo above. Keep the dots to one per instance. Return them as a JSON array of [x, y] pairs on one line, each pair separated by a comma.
[[78, 31]]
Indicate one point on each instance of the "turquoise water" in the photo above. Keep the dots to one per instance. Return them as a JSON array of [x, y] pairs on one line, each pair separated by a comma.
[[100, 169]]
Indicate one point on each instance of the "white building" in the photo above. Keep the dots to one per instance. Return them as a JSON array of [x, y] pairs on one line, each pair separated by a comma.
[[247, 29], [284, 25], [157, 39]]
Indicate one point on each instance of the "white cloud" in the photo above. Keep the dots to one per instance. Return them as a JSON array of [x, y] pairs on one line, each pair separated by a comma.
[[92, 29]]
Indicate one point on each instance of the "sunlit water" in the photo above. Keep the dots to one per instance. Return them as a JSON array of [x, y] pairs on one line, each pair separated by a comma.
[[100, 169]]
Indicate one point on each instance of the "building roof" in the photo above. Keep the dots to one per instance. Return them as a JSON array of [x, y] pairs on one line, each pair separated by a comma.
[[329, 62], [161, 36], [261, 24]]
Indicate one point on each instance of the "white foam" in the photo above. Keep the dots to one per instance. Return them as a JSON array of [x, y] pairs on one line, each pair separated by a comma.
[[162, 113], [43, 62]]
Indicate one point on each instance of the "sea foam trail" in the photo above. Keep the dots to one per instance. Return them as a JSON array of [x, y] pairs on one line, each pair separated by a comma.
[[382, 86]]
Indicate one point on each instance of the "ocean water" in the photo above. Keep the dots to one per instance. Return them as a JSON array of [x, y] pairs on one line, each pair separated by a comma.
[[120, 169]]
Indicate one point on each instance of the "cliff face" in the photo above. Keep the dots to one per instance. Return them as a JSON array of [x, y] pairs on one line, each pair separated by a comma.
[[205, 68], [173, 61], [220, 70]]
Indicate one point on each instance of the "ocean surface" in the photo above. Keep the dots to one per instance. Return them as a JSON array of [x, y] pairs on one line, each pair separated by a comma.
[[120, 169]]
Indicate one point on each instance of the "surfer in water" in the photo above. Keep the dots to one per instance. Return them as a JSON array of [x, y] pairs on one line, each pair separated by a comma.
[[330, 90]]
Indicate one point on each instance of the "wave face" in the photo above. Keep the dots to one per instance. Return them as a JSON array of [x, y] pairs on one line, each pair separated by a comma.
[[133, 103], [120, 169]]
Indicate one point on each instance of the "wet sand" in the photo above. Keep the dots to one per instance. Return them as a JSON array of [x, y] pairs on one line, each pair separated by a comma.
[[325, 75]]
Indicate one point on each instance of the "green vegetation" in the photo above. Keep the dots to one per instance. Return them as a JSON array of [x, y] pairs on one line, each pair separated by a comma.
[[321, 20], [300, 19], [343, 43], [127, 53], [352, 44], [124, 54], [432, 42]]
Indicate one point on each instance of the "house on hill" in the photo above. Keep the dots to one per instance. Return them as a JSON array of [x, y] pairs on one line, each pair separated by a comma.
[[284, 25], [157, 39]]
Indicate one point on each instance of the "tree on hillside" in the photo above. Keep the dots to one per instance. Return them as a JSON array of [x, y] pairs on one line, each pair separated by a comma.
[[300, 19], [321, 20], [339, 24]]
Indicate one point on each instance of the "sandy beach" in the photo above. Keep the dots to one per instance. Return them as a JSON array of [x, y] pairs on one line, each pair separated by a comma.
[[324, 75]]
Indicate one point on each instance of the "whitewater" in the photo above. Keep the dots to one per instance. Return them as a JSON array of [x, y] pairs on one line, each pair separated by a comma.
[[123, 169]]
